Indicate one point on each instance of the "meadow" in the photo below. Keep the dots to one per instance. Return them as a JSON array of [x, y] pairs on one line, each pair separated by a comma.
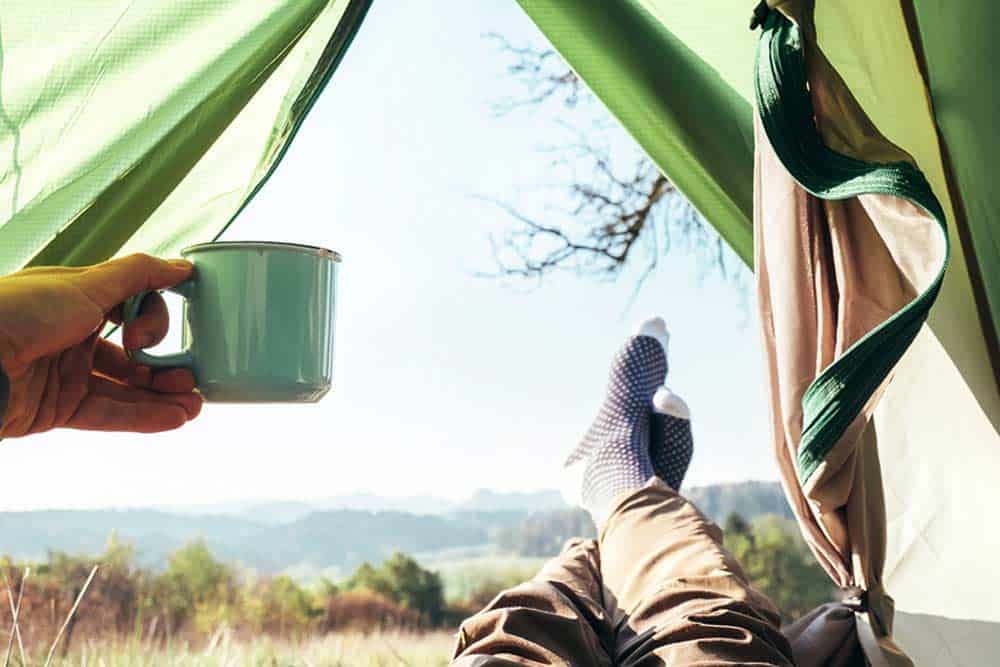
[[353, 649], [198, 609], [107, 611]]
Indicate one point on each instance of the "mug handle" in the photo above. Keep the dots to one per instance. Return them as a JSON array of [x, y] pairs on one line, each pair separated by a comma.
[[130, 311]]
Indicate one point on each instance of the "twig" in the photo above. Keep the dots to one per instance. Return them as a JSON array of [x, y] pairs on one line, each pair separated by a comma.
[[15, 611], [13, 615], [151, 634], [213, 641], [69, 616], [395, 653], [542, 73], [17, 615], [612, 213]]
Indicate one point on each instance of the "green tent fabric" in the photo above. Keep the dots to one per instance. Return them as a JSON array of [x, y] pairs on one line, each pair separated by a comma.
[[965, 107], [148, 124]]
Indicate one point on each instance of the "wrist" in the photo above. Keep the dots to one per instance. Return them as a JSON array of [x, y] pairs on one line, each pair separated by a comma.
[[8, 372], [4, 397], [8, 351]]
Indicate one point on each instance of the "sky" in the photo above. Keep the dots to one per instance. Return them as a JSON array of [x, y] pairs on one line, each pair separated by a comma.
[[445, 382]]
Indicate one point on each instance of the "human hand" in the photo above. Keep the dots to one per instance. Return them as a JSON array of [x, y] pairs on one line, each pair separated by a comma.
[[62, 373]]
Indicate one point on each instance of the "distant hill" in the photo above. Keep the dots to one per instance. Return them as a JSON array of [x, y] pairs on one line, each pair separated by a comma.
[[493, 501], [749, 499], [340, 539], [284, 511], [309, 537]]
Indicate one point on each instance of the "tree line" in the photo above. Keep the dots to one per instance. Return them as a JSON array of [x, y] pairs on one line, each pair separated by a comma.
[[196, 594]]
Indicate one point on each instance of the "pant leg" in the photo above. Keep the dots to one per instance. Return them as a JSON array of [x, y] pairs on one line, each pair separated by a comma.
[[556, 618], [675, 595]]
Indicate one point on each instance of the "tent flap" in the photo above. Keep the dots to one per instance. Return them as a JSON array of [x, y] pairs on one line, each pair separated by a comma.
[[838, 394], [851, 249], [148, 125]]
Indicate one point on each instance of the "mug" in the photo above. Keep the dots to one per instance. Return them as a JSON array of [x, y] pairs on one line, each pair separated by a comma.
[[258, 322]]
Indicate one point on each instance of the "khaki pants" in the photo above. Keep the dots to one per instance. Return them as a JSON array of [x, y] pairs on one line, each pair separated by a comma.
[[656, 588]]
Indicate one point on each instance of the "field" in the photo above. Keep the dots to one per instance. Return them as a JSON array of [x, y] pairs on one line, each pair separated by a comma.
[[381, 649], [111, 609]]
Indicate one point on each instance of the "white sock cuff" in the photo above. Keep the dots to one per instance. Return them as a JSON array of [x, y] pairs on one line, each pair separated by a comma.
[[667, 402], [656, 328]]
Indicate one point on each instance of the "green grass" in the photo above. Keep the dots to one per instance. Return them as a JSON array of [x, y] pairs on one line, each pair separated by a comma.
[[335, 650], [465, 577]]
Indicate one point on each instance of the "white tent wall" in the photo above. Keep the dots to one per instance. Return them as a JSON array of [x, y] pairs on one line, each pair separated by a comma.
[[937, 424], [940, 465]]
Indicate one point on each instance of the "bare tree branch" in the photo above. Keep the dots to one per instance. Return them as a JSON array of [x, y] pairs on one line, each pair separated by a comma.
[[618, 216], [543, 74]]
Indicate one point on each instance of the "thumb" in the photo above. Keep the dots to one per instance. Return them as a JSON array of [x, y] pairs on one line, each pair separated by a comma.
[[110, 283]]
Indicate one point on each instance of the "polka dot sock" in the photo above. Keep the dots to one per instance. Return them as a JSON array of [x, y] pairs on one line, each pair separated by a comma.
[[640, 431], [671, 448]]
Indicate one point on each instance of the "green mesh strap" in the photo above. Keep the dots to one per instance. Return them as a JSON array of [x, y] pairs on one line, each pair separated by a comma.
[[838, 394]]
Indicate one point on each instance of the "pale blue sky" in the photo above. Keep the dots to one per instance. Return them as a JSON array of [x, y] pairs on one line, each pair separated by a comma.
[[444, 382]]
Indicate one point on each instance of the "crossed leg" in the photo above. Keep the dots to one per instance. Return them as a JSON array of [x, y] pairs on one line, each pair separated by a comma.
[[657, 587], [556, 618]]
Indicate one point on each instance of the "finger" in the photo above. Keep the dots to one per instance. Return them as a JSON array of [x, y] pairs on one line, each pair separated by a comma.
[[110, 360], [173, 381], [47, 405], [74, 371], [103, 413], [189, 402], [117, 314], [110, 283], [150, 327]]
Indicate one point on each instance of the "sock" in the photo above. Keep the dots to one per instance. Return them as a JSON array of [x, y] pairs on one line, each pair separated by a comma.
[[614, 455], [671, 447], [630, 441], [671, 444]]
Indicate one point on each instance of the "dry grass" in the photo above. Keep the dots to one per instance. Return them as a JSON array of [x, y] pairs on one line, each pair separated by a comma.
[[222, 649], [386, 649], [355, 628]]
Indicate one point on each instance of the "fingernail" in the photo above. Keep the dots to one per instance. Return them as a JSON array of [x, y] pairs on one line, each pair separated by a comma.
[[181, 263]]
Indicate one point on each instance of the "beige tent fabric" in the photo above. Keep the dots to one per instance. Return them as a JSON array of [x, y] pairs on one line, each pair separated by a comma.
[[872, 47], [827, 273], [938, 421], [797, 267]]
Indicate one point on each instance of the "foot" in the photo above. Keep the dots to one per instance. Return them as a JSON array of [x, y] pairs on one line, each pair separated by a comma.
[[671, 447], [671, 444], [630, 441]]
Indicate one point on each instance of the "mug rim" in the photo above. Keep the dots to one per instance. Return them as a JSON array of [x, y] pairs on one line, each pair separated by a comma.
[[298, 247]]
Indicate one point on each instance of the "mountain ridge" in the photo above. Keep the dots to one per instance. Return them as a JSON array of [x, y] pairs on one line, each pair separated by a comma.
[[274, 511], [304, 536]]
